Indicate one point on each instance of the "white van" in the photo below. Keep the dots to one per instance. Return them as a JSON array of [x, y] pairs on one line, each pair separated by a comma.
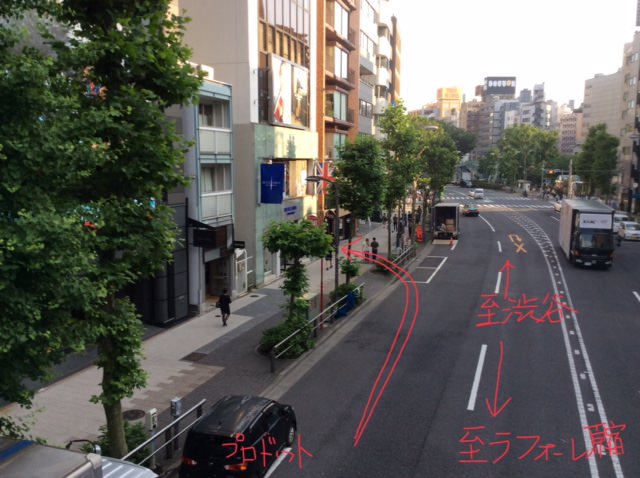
[[477, 193], [618, 217]]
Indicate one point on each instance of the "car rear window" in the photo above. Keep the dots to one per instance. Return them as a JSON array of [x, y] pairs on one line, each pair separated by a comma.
[[200, 446]]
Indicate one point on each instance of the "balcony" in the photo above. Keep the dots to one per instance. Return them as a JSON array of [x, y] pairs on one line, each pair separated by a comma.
[[348, 42], [384, 15], [215, 205], [348, 83], [214, 141], [384, 47], [367, 64], [382, 78], [380, 106]]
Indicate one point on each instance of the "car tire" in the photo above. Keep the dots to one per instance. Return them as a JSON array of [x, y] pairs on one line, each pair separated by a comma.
[[291, 435]]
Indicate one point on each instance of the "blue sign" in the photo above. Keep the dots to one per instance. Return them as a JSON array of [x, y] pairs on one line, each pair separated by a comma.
[[271, 183]]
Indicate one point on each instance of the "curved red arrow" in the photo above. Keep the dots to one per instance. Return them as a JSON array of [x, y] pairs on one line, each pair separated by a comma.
[[494, 410]]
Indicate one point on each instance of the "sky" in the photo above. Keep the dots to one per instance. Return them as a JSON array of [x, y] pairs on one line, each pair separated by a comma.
[[560, 43]]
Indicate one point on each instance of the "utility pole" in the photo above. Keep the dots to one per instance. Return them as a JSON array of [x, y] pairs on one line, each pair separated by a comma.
[[570, 192]]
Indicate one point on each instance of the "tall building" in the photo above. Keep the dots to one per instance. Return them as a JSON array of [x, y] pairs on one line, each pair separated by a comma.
[[570, 130], [629, 127], [368, 70], [602, 99], [449, 101], [267, 51]]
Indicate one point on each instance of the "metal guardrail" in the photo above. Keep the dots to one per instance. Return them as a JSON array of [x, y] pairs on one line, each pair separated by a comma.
[[327, 315], [171, 433]]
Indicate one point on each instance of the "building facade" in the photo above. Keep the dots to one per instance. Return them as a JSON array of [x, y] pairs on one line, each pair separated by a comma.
[[267, 51]]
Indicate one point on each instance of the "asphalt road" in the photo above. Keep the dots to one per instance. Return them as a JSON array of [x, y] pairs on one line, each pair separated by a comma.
[[517, 364]]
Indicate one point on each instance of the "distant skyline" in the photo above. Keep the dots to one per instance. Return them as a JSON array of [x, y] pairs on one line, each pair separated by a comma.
[[560, 43]]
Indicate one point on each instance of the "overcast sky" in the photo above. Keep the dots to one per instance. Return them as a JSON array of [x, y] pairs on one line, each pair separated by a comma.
[[560, 43]]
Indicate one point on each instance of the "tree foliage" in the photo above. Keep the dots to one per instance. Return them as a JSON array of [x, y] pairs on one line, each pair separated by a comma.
[[522, 152], [597, 163], [77, 151], [464, 140], [360, 176], [295, 241]]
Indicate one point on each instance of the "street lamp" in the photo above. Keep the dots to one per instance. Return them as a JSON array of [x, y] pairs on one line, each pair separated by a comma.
[[336, 225]]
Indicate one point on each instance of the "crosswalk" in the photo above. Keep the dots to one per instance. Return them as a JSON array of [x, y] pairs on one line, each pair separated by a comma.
[[499, 201]]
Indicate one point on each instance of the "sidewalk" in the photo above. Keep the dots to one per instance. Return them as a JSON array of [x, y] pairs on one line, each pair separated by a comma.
[[196, 359]]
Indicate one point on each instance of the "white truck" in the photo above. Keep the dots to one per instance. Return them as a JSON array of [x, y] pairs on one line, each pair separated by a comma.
[[586, 232], [28, 459]]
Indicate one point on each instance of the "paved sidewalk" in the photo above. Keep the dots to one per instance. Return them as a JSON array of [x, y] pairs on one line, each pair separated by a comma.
[[196, 358]]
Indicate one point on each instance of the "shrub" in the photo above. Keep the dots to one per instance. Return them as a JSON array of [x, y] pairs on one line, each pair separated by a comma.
[[344, 289], [298, 344], [134, 435]]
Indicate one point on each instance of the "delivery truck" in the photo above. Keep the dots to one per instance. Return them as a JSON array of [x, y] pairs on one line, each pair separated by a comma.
[[29, 459], [445, 221], [586, 232]]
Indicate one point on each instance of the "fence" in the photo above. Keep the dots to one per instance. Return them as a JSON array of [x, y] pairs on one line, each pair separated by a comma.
[[171, 433], [329, 314]]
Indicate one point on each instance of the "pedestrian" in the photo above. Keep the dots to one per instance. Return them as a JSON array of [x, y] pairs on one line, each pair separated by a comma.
[[384, 219], [329, 259], [374, 247], [395, 223], [366, 248], [224, 302]]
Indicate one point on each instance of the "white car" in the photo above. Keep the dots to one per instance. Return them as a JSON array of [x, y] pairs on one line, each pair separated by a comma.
[[618, 217], [477, 193], [629, 231]]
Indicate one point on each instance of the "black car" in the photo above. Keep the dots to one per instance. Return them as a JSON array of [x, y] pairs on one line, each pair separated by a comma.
[[241, 436]]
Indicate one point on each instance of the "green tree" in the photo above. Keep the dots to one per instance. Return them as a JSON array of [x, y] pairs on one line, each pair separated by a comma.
[[464, 140], [109, 84], [598, 161], [360, 176], [295, 241], [522, 151], [402, 147], [46, 262]]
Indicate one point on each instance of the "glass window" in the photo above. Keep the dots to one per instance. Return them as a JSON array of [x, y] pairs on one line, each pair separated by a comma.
[[216, 178], [341, 21], [214, 113]]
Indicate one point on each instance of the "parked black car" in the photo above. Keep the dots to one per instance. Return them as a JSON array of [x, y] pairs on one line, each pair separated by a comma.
[[240, 436]]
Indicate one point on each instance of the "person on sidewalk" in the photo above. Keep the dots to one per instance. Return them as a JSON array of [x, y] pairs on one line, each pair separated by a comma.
[[329, 259], [366, 248], [374, 248], [224, 302]]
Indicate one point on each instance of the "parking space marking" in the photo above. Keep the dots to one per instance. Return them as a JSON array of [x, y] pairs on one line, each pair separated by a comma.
[[637, 295]]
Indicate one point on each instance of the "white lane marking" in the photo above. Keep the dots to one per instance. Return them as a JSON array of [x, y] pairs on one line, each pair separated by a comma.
[[637, 295], [499, 247], [555, 218], [278, 461], [492, 228], [444, 259], [497, 289], [455, 243], [476, 379]]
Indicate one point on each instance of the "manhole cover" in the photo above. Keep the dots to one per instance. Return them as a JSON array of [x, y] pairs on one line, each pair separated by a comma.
[[132, 415], [194, 357]]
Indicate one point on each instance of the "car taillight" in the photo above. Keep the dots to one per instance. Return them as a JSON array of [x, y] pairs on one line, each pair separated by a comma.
[[189, 461], [236, 467]]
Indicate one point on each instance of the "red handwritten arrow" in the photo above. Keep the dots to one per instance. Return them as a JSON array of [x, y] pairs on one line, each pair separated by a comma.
[[507, 267], [494, 410]]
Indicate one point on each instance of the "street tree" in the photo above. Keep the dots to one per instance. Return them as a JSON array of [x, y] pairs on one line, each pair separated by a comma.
[[464, 140], [46, 261], [116, 156], [401, 147], [295, 241], [360, 176], [522, 151], [597, 163]]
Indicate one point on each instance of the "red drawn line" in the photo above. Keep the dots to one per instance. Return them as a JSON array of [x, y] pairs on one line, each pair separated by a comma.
[[507, 267], [369, 407], [494, 410]]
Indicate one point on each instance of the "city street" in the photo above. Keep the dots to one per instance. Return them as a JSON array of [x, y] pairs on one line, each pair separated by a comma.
[[519, 364]]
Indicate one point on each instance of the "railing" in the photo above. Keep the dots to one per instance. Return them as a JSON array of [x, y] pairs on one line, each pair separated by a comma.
[[327, 315], [214, 141], [171, 433], [406, 256]]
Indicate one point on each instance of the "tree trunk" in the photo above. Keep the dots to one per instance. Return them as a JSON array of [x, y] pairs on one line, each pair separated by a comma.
[[115, 422], [389, 225]]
